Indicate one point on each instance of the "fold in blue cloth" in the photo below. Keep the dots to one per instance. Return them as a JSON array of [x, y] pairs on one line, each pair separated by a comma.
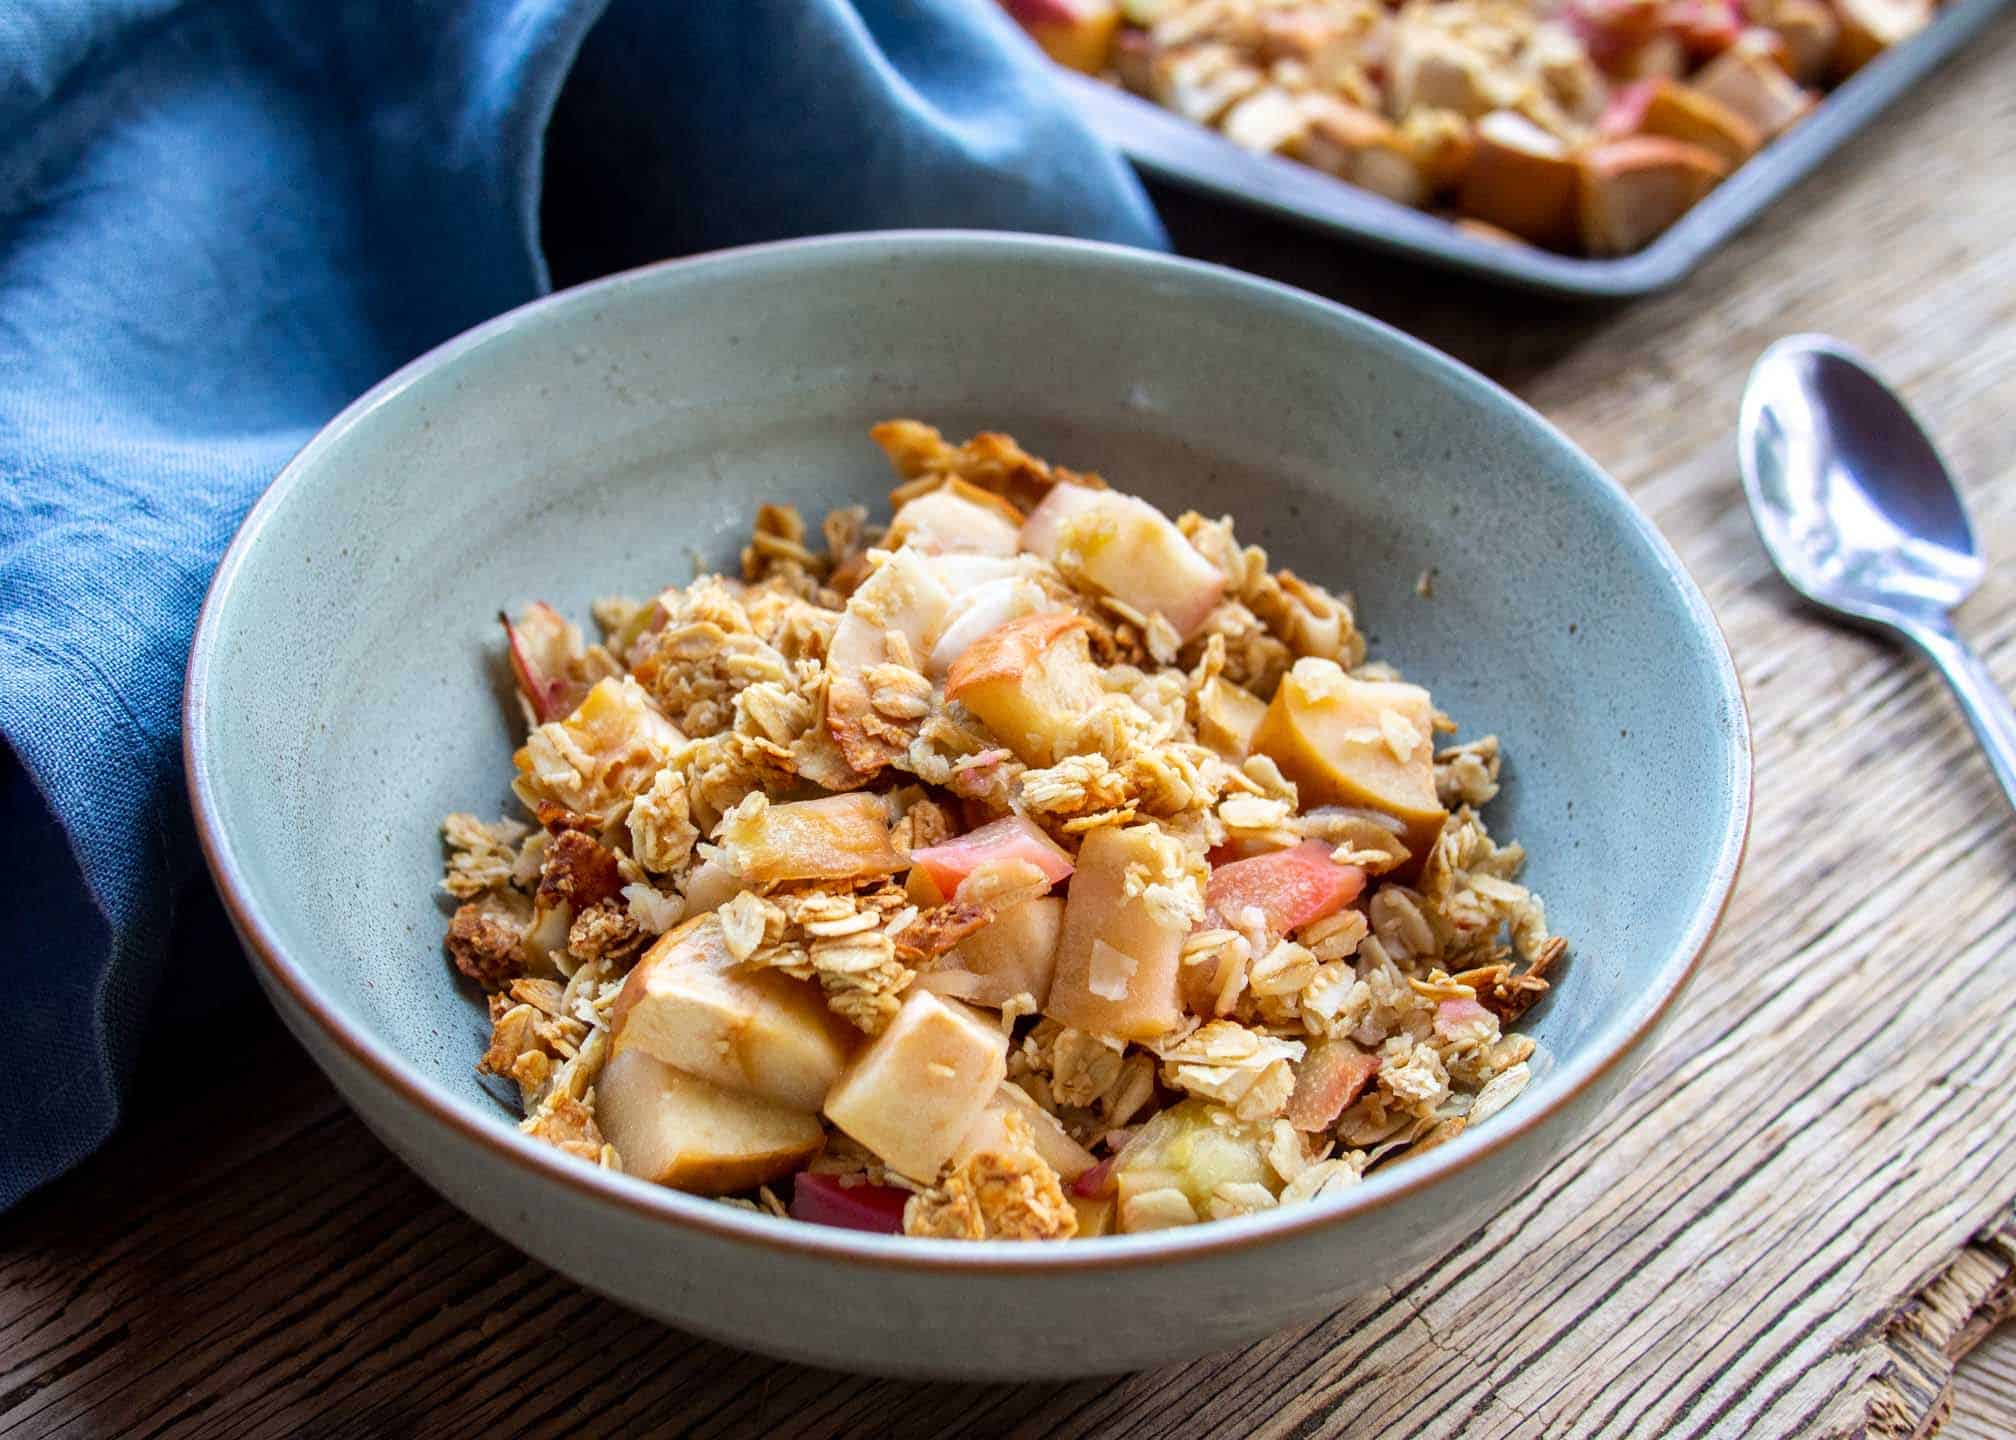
[[220, 220]]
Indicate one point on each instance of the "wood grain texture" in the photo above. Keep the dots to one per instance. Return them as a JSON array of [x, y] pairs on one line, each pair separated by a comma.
[[1984, 1390], [1790, 1223]]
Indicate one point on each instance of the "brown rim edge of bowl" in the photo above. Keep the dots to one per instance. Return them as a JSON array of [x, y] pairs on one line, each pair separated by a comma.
[[592, 1181]]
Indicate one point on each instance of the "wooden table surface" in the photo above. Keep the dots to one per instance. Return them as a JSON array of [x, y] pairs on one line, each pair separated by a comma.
[[1793, 1221]]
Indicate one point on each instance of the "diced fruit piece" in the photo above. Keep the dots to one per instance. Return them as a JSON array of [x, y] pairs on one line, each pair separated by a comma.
[[1356, 742], [1134, 57], [1869, 27], [1043, 531], [1265, 121], [546, 658], [1095, 1216], [1117, 962], [688, 1004], [710, 886], [1454, 1017], [1612, 29], [1030, 682], [961, 573], [1127, 548], [836, 837], [1015, 953], [1632, 189], [1332, 1075], [1201, 82], [912, 1095], [1194, 1147], [1807, 31], [990, 1132], [1705, 27], [1012, 837], [985, 608], [547, 936], [1098, 1182], [957, 518], [1521, 179], [1680, 112], [1354, 144], [1749, 83], [1290, 887], [1431, 69], [1075, 33], [1624, 112], [1438, 146], [903, 595], [1227, 716], [922, 891], [828, 1200], [679, 1130], [601, 756], [1664, 56]]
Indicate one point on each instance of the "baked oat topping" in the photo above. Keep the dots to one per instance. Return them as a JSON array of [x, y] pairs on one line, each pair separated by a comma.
[[1584, 126], [1033, 867]]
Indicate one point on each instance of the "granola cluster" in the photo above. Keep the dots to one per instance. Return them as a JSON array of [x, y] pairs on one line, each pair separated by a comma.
[[1587, 126], [1034, 866]]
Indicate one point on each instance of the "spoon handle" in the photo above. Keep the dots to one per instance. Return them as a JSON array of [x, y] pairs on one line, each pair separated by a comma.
[[1987, 708]]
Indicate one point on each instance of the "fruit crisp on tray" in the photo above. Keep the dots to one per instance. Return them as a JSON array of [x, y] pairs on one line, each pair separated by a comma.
[[1584, 126], [1034, 867]]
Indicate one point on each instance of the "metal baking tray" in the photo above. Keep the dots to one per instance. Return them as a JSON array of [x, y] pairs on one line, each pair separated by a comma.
[[1171, 148]]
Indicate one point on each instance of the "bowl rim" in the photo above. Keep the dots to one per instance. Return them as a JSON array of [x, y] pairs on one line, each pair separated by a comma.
[[284, 977]]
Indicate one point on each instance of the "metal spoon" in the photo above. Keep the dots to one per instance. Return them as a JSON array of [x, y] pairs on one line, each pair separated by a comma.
[[1861, 516]]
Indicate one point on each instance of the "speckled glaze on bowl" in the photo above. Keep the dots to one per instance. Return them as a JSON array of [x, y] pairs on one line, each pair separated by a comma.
[[346, 689]]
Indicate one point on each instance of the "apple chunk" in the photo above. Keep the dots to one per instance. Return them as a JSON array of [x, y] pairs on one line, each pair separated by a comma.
[[1633, 189], [1356, 742], [1332, 1075], [1227, 716], [836, 837], [958, 518], [1750, 84], [912, 1095], [991, 1132], [1192, 1149], [759, 1031], [829, 1200], [1289, 887], [1118, 959], [1680, 112], [1127, 548], [1869, 27], [601, 756], [1013, 954], [1074, 33], [679, 1130], [904, 594], [1521, 179], [984, 608], [1029, 681], [1012, 837]]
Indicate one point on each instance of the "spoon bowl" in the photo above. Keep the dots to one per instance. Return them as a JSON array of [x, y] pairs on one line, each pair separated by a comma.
[[1861, 515], [1850, 495]]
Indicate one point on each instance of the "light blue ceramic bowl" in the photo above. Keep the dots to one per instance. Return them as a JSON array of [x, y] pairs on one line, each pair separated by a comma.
[[346, 689]]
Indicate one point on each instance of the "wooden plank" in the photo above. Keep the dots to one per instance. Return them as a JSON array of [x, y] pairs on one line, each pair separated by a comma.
[[1789, 1223], [1984, 1390]]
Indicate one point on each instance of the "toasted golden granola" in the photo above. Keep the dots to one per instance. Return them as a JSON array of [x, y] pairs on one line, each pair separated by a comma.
[[1032, 839]]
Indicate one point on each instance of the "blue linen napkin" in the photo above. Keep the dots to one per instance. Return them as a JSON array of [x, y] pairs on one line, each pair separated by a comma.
[[220, 220]]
